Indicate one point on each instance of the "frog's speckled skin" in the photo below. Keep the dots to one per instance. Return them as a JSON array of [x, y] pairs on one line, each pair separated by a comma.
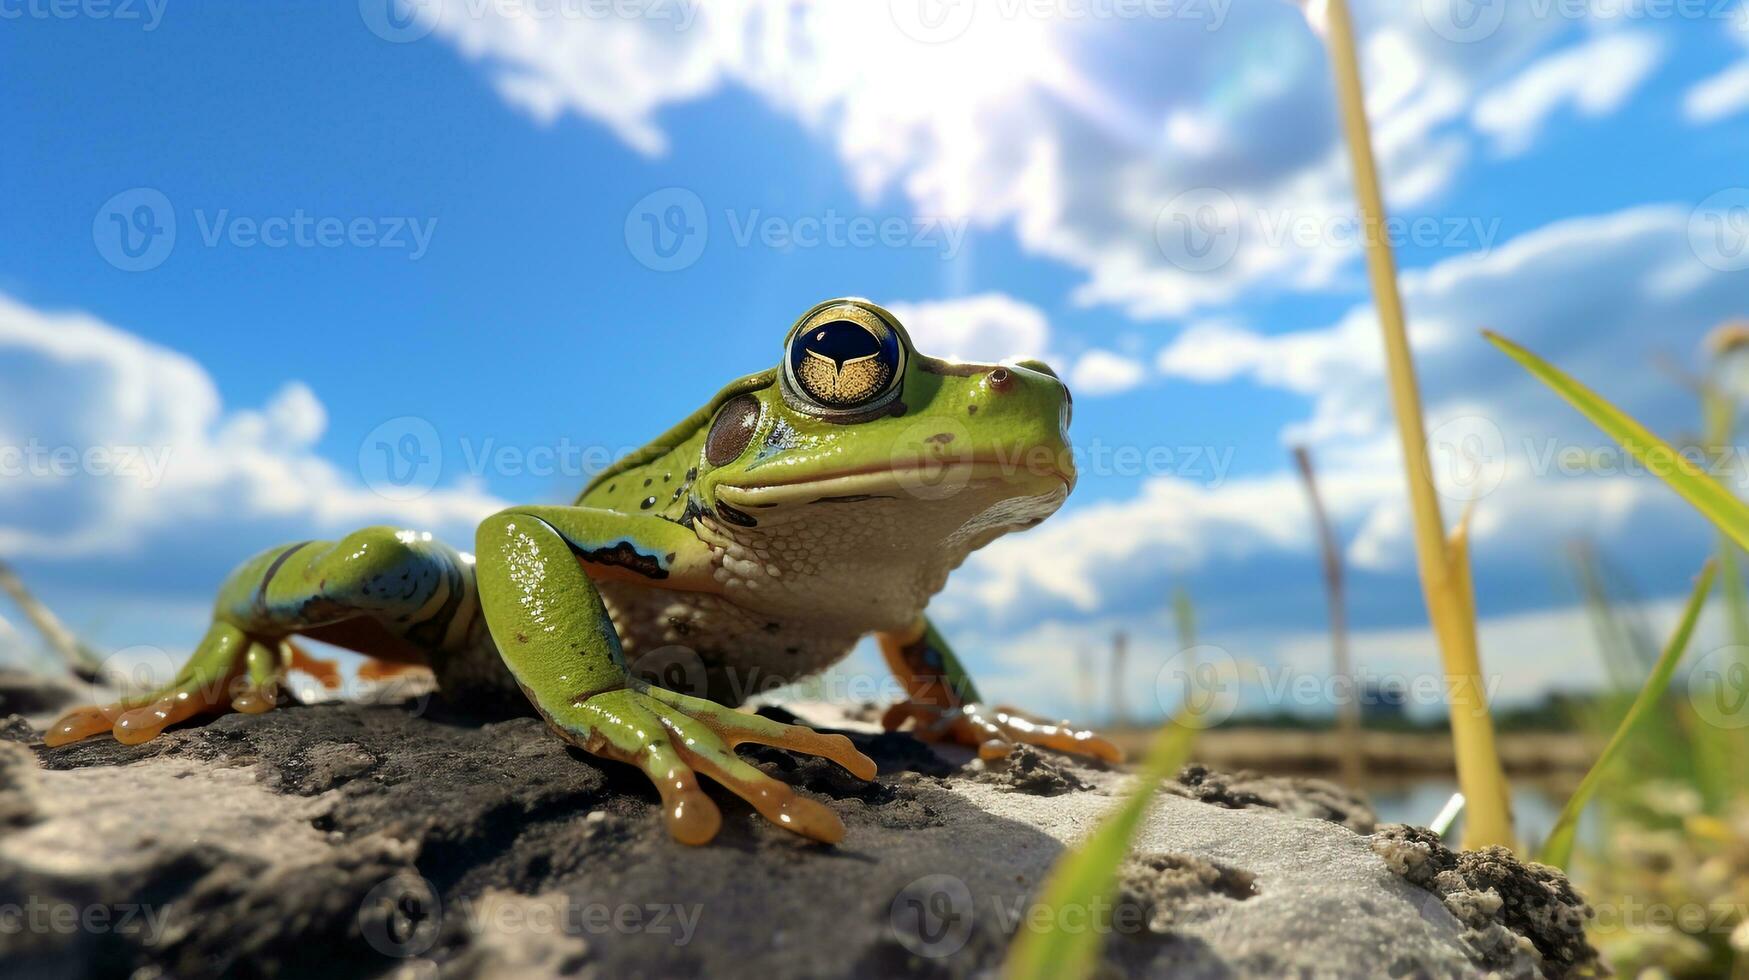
[[749, 546]]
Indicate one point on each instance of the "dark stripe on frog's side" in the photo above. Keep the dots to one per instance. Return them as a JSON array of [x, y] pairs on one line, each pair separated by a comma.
[[272, 570], [854, 498], [626, 555], [430, 631], [733, 516]]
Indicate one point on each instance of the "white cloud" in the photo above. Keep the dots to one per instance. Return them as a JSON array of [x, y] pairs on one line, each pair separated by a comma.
[[1102, 372], [109, 440], [1582, 292], [1719, 96], [1724, 94], [1594, 77], [988, 327], [1076, 133]]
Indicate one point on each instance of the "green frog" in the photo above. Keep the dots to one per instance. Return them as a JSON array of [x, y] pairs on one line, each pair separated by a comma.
[[751, 545]]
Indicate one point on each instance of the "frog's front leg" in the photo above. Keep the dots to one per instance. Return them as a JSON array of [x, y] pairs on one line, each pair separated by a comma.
[[945, 705], [550, 626]]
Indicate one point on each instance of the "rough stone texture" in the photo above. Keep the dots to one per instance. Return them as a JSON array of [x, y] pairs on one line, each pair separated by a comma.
[[1315, 798], [369, 840], [1510, 910], [1028, 770], [1169, 888]]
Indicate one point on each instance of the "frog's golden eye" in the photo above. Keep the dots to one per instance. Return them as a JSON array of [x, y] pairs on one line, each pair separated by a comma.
[[844, 360]]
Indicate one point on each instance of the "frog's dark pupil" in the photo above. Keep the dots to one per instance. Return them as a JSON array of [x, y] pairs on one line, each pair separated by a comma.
[[732, 430], [843, 364]]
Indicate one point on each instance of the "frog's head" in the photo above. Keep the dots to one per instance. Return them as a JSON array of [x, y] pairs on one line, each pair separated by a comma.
[[905, 453]]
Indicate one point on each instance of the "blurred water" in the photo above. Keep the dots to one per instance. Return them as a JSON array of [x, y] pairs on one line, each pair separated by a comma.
[[1534, 806]]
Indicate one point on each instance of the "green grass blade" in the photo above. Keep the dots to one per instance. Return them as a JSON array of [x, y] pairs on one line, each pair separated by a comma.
[[1184, 612], [1086, 877], [1705, 493], [1558, 850]]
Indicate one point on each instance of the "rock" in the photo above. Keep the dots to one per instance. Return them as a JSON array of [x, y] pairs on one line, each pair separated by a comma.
[[1027, 770], [1512, 911], [376, 840], [1315, 798]]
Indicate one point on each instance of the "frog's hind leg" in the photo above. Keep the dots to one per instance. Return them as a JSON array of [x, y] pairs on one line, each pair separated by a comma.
[[392, 595]]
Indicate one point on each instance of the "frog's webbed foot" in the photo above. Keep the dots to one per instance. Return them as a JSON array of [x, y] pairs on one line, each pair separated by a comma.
[[229, 671], [673, 738], [994, 732]]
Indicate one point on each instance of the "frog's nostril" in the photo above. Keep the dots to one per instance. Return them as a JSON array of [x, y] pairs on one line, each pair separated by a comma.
[[1001, 380]]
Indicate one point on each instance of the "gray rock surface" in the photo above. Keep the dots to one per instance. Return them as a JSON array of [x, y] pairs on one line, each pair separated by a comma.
[[370, 840]]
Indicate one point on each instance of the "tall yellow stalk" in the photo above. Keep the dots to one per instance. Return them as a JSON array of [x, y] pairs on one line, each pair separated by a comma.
[[1444, 566]]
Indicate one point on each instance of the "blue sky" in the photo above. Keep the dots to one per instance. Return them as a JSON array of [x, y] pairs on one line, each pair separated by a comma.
[[486, 172]]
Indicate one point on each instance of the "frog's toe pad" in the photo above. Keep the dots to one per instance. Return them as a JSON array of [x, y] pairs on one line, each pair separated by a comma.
[[81, 723], [995, 732]]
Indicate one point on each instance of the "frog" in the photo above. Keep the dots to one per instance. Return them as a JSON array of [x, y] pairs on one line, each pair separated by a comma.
[[755, 543]]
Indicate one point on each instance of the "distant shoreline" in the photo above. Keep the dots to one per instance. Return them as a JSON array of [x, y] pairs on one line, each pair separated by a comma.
[[1388, 754]]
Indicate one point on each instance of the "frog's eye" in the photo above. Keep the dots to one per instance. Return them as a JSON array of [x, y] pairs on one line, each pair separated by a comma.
[[732, 430], [844, 361]]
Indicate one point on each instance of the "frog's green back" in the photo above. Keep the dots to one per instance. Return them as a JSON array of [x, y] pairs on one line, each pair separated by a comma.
[[637, 477]]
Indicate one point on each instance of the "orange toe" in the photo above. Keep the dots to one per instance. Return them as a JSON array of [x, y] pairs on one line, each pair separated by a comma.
[[80, 723]]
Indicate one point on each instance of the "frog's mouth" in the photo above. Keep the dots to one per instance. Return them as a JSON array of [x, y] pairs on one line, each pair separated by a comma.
[[923, 480]]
